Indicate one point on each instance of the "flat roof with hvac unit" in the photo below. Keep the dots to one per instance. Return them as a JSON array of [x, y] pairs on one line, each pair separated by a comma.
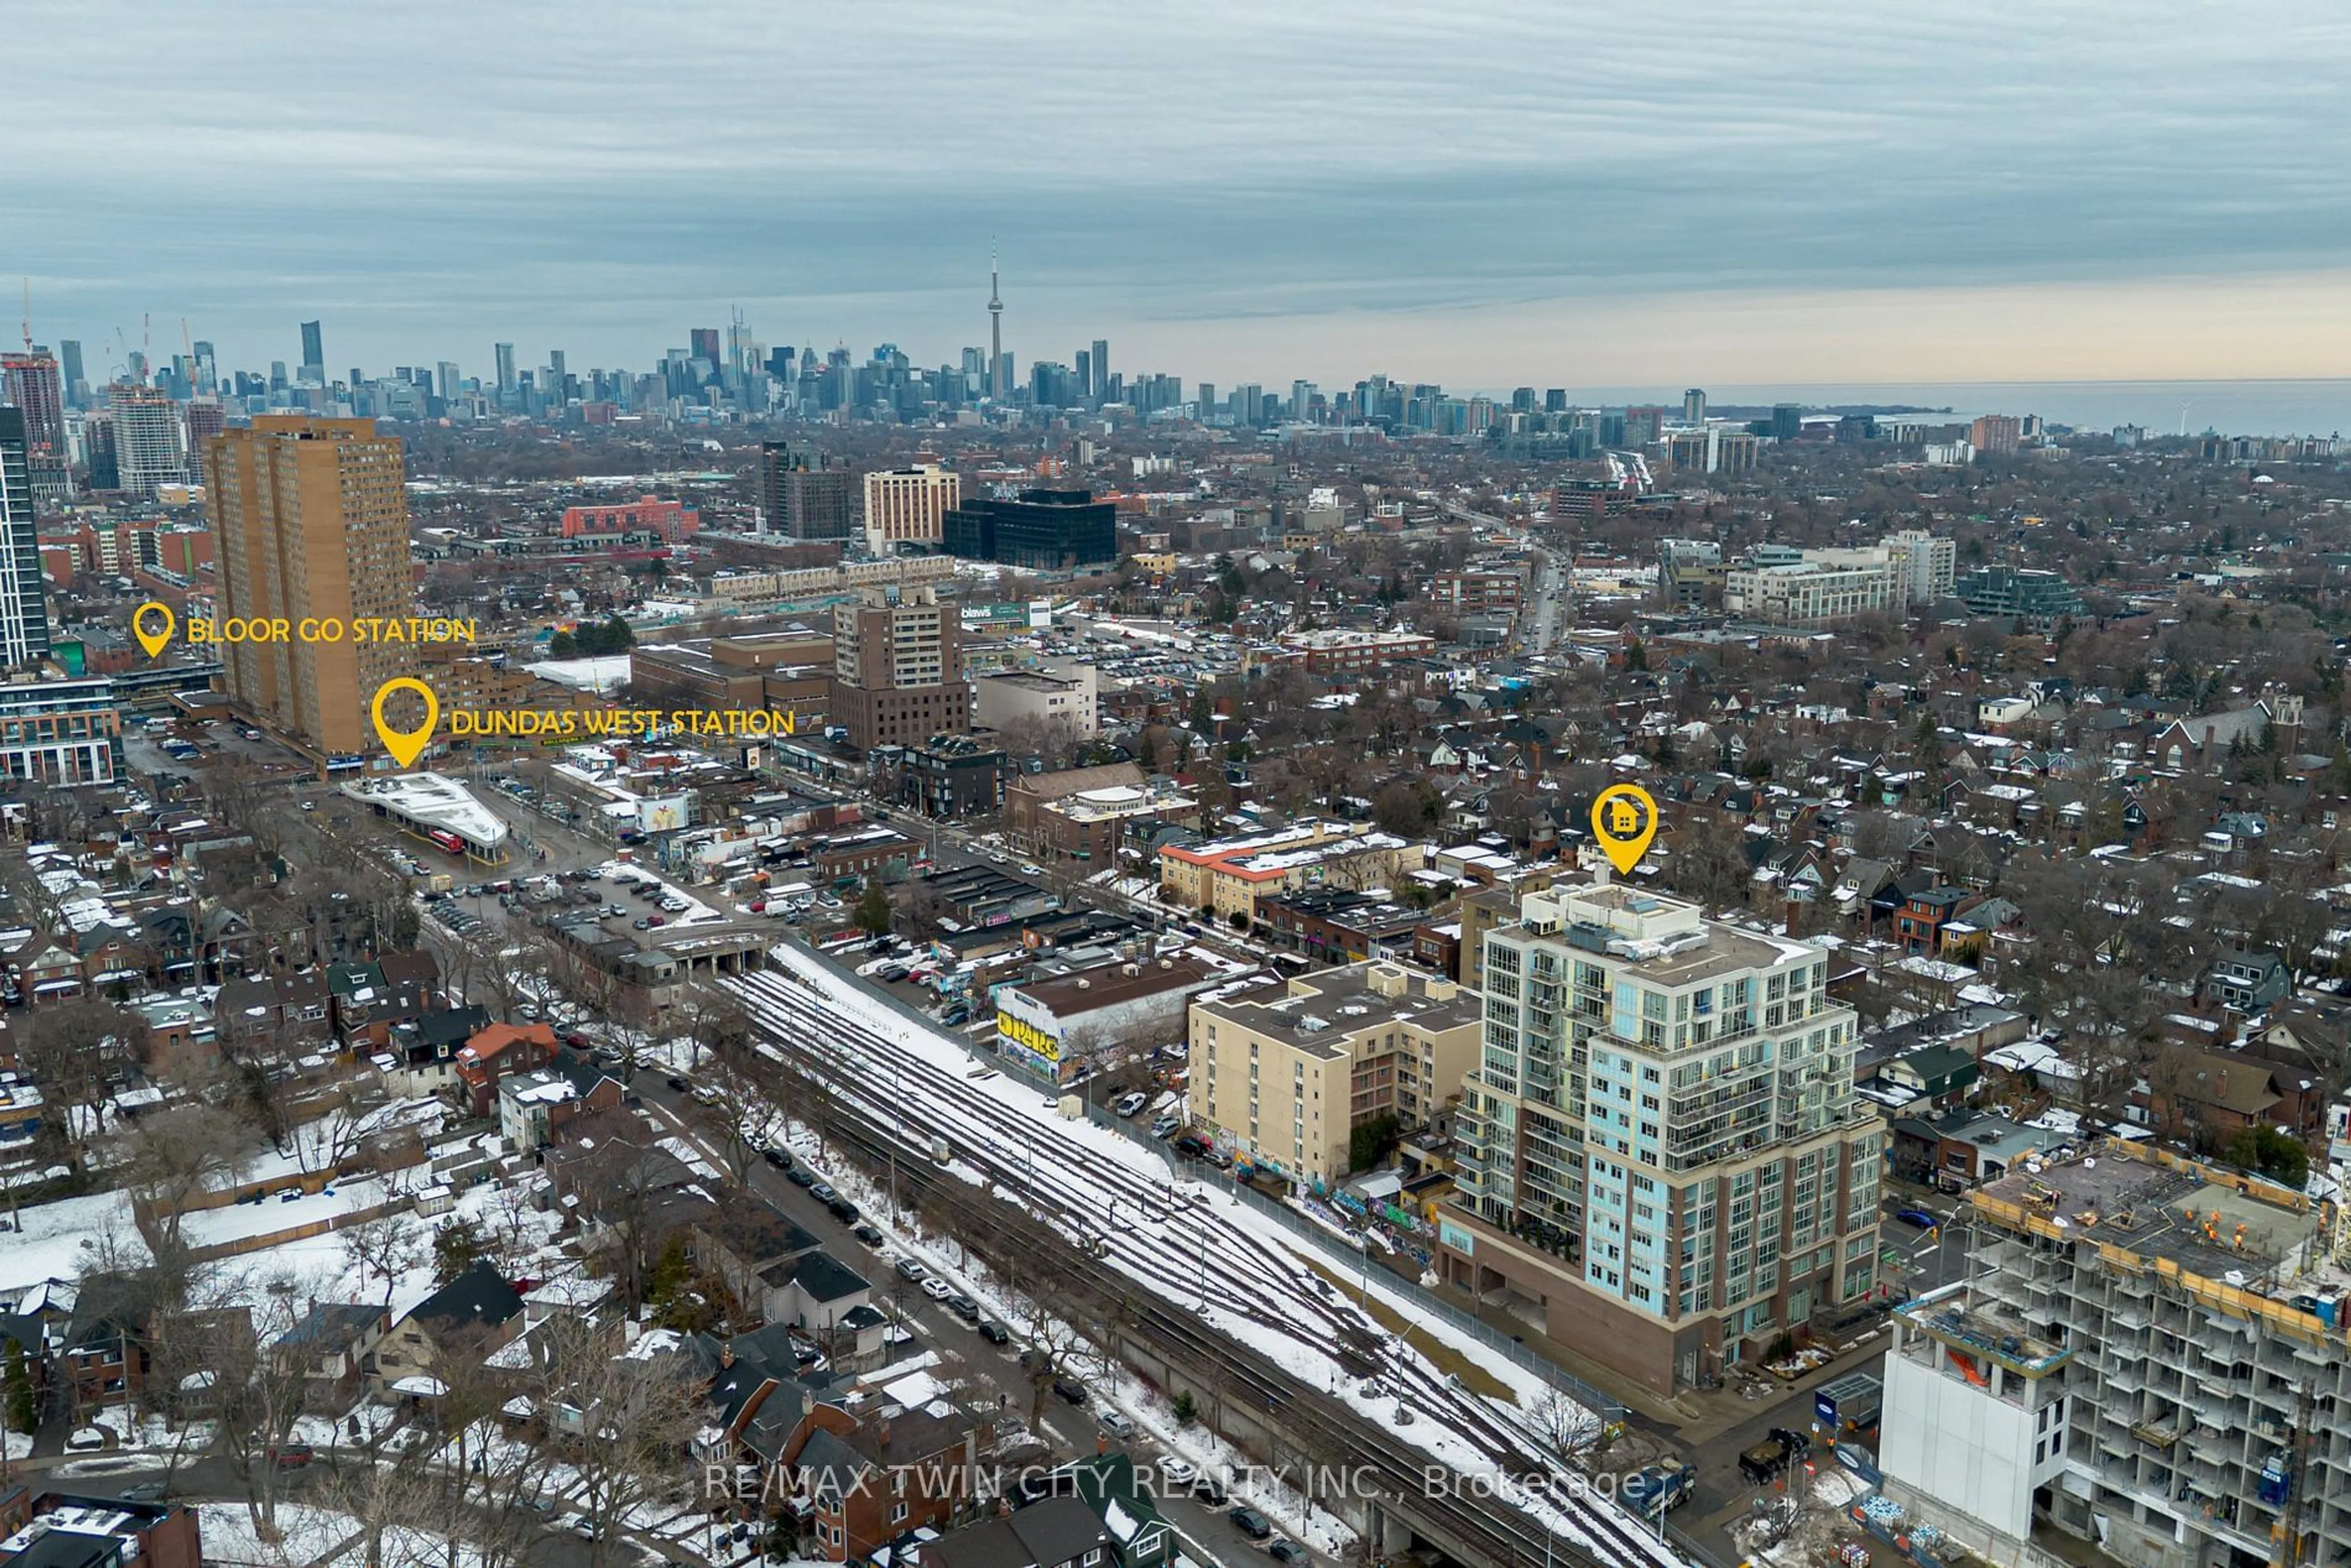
[[428, 800]]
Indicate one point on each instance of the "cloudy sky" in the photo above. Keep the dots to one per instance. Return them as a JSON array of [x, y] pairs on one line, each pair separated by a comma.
[[1736, 191]]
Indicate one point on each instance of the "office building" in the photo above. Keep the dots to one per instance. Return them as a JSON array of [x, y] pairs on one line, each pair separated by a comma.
[[310, 519], [1694, 406], [1810, 592], [447, 374], [505, 361], [897, 660], [805, 494], [1664, 1163], [76, 383], [1284, 1078], [1787, 420], [314, 353], [1690, 572], [147, 450], [59, 730], [1100, 388], [1043, 530], [704, 347], [24, 613], [2146, 1353], [908, 506]]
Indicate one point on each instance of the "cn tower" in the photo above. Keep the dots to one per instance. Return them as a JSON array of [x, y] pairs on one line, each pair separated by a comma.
[[995, 387]]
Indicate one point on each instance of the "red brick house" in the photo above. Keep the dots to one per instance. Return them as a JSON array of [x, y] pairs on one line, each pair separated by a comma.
[[495, 1052]]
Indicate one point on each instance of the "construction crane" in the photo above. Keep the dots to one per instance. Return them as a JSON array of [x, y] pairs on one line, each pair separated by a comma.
[[28, 315]]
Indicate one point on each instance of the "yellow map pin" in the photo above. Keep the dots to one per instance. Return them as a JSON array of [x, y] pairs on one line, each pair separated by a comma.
[[1625, 819], [406, 746], [154, 642]]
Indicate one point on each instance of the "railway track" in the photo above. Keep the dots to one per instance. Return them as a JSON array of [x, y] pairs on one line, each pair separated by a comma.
[[890, 1101]]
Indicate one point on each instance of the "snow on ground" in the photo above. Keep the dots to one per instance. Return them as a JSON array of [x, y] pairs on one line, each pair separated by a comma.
[[272, 1215], [1145, 1243], [58, 1240], [17, 1446], [693, 913], [305, 1534]]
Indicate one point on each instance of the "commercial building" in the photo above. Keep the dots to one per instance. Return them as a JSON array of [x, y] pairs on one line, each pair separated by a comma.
[[1043, 530], [1227, 877], [2018, 591], [1338, 651], [310, 519], [898, 668], [1477, 593], [909, 507], [1927, 565], [1284, 1078], [805, 494], [2144, 1353], [1034, 696], [671, 522], [23, 612], [147, 451], [1689, 572], [1664, 1162], [1061, 1026], [60, 731], [1091, 813]]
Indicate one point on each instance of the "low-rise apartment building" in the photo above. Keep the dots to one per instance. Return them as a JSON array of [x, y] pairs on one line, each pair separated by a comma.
[[1285, 1077], [1226, 877]]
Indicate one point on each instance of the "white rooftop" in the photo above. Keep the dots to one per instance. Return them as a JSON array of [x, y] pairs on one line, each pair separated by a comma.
[[432, 800]]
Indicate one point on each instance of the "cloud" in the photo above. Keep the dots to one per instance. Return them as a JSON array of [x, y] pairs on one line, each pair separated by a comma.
[[602, 176]]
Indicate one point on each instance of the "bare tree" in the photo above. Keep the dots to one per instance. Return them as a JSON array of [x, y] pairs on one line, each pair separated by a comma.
[[79, 1052], [179, 1153], [386, 1245], [623, 1414]]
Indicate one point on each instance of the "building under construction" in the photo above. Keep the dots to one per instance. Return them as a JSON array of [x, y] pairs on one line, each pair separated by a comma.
[[2146, 1353]]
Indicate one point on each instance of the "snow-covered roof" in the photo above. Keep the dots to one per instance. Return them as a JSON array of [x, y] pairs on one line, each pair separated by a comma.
[[432, 800]]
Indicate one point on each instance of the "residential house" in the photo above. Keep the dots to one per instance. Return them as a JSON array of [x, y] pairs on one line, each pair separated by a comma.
[[1919, 926], [871, 1475], [2215, 1094], [43, 1529], [537, 1108], [2246, 979], [330, 1345], [472, 1316], [1940, 1075], [497, 1050], [1051, 1533], [423, 1056]]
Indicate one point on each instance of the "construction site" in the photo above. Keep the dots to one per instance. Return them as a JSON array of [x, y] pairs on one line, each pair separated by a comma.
[[2147, 1354]]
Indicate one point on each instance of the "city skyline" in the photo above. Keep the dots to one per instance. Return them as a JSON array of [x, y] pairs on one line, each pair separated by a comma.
[[1714, 198]]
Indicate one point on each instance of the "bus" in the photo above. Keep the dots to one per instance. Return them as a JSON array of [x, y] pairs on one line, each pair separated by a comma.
[[443, 838]]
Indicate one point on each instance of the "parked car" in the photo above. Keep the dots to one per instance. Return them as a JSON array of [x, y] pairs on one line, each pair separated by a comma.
[[1251, 1523], [938, 1289], [844, 1210], [1177, 1472], [910, 1269], [776, 1158], [290, 1456], [677, 1081], [822, 1192], [1191, 1145], [800, 1175], [868, 1235], [1128, 1106], [1115, 1424], [964, 1307], [1167, 1126], [1071, 1389], [994, 1333], [1282, 1549]]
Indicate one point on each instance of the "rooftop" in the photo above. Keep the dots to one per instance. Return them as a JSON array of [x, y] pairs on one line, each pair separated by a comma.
[[432, 800], [1318, 1013], [2208, 1222]]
